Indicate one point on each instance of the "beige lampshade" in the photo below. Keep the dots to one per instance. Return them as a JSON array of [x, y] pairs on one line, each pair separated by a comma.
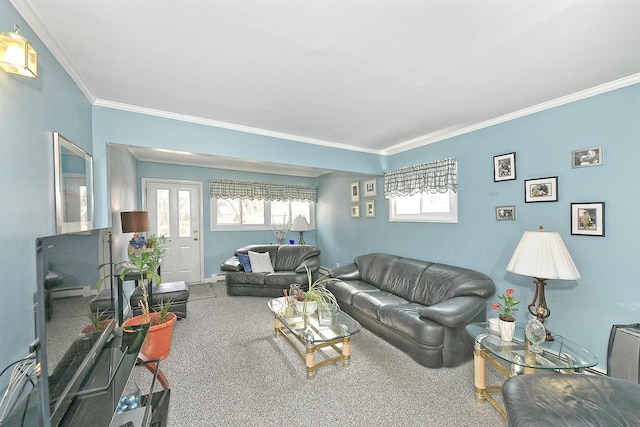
[[300, 224], [134, 221], [542, 254]]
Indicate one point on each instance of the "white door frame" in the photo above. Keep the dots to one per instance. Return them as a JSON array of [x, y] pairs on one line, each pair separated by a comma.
[[146, 181]]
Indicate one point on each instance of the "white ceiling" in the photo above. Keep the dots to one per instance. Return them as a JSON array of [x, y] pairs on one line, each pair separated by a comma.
[[378, 76]]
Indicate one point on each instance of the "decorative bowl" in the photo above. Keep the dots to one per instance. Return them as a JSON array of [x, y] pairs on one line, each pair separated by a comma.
[[305, 307]]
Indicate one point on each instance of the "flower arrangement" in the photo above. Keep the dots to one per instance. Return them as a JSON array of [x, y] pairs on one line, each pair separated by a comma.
[[317, 293], [506, 305]]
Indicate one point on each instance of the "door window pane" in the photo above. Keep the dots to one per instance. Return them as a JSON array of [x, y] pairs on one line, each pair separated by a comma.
[[162, 207], [184, 213]]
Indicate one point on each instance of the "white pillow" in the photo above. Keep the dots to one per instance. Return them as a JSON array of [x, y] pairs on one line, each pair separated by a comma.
[[260, 262]]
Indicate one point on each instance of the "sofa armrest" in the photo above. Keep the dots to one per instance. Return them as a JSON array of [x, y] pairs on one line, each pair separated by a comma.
[[232, 264], [313, 263], [454, 312], [346, 272]]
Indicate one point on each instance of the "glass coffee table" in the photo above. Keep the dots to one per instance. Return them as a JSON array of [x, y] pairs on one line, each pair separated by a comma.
[[515, 358], [327, 338]]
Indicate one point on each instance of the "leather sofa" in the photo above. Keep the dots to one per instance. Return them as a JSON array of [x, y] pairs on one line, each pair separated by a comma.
[[288, 263], [418, 306]]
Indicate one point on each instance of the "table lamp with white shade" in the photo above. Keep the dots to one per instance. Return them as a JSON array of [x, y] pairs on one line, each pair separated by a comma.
[[542, 255], [300, 224]]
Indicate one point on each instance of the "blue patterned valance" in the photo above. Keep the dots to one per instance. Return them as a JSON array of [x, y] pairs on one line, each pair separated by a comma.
[[434, 177], [229, 189]]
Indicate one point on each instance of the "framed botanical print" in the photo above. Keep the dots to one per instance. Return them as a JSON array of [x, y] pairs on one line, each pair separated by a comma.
[[587, 219], [355, 191], [370, 188], [370, 208], [355, 210], [504, 167], [541, 190]]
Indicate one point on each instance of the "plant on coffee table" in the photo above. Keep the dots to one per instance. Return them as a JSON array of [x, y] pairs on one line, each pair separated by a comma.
[[317, 295]]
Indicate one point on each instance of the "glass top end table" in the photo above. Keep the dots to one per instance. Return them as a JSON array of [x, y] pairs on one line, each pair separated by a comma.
[[560, 355]]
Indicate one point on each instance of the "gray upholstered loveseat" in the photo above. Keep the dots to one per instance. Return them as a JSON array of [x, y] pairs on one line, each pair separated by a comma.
[[287, 262], [418, 306]]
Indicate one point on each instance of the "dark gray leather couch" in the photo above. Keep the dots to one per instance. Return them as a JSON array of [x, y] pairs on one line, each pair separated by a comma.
[[288, 263], [418, 306]]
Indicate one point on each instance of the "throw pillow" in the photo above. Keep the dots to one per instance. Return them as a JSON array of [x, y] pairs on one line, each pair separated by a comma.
[[260, 262], [245, 262]]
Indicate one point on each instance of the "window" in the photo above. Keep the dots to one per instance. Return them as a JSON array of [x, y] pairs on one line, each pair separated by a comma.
[[240, 205], [243, 214], [424, 207], [423, 193]]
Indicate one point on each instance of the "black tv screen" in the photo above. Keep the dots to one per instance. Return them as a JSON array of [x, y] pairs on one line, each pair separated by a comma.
[[67, 272]]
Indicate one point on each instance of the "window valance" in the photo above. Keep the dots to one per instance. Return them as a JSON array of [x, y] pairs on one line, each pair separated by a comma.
[[434, 177], [229, 189]]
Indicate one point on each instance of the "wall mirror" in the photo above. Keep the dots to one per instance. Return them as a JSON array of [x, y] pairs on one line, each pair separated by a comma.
[[73, 169]]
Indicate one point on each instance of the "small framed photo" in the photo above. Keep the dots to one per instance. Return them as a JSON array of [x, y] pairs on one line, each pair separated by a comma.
[[355, 191], [370, 208], [355, 210], [586, 157], [587, 219], [504, 167], [541, 190], [370, 188], [505, 213]]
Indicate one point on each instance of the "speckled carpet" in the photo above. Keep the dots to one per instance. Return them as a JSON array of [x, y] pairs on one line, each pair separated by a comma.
[[226, 368]]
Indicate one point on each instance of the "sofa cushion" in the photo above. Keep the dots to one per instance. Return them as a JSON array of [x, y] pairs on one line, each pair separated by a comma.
[[242, 278], [344, 291], [403, 277], [260, 262], [440, 282], [282, 279], [374, 268], [245, 262], [370, 302], [272, 249]]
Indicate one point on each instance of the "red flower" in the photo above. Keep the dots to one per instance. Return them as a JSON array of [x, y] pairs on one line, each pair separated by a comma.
[[509, 292], [495, 306]]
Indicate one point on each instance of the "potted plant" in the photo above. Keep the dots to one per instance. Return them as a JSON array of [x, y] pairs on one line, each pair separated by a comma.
[[506, 305], [146, 258], [96, 321], [317, 296]]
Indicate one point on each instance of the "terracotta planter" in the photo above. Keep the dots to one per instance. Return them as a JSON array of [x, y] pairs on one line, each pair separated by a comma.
[[158, 341]]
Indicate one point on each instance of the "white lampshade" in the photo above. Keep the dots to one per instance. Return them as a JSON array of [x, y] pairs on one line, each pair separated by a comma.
[[300, 224], [542, 254]]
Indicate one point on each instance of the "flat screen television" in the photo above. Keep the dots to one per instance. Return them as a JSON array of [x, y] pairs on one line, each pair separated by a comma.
[[67, 272]]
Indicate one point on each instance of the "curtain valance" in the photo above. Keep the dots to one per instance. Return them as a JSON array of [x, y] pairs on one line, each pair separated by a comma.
[[433, 177], [229, 189]]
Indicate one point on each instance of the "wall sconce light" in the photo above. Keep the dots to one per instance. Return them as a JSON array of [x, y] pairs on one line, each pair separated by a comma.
[[17, 56]]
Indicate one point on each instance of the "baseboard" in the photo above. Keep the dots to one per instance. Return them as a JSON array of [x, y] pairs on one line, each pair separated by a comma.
[[215, 277]]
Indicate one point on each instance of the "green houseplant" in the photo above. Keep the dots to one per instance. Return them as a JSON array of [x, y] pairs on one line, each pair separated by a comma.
[[317, 296]]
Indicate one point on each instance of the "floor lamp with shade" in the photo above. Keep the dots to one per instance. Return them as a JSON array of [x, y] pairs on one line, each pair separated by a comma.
[[542, 255]]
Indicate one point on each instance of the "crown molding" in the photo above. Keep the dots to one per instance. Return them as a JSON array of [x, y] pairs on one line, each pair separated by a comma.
[[578, 96]]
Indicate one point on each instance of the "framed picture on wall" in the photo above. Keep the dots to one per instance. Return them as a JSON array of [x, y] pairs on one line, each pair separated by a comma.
[[370, 188], [355, 210], [541, 190], [370, 208], [355, 191], [587, 219], [504, 167], [505, 213], [586, 157]]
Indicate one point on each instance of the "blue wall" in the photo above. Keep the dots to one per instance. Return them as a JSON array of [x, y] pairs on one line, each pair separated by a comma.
[[583, 310], [30, 110]]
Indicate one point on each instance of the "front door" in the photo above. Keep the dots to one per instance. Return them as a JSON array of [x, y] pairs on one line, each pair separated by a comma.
[[175, 212]]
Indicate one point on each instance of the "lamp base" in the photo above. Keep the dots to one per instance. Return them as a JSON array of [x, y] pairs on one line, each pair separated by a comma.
[[301, 241], [540, 310]]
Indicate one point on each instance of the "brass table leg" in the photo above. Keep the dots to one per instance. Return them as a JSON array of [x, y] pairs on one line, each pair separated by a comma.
[[346, 351]]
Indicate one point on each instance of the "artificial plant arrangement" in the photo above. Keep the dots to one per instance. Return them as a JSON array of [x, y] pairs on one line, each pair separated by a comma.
[[506, 306]]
